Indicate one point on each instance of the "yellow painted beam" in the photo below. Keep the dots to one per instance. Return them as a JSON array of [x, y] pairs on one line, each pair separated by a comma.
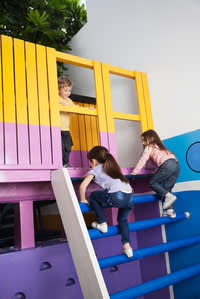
[[121, 72], [108, 98], [32, 89], [79, 110], [75, 131], [53, 87], [95, 129], [88, 129], [8, 79], [126, 116], [147, 101], [42, 85], [20, 82], [83, 133], [100, 104], [141, 103], [75, 60]]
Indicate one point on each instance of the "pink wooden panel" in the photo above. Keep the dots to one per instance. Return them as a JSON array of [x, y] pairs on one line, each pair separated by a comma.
[[35, 148], [23, 144], [1, 144], [46, 146], [10, 143], [24, 226]]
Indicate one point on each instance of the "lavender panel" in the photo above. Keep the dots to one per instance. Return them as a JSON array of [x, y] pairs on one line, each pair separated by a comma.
[[1, 144], [85, 162], [46, 146], [75, 158], [44, 272], [10, 143], [103, 136], [35, 147], [56, 147], [112, 144], [23, 144]]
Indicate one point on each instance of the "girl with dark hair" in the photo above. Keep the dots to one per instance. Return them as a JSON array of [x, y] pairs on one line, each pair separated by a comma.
[[117, 192], [164, 179]]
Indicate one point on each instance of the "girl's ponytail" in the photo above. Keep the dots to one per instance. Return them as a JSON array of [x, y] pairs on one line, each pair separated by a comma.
[[112, 168]]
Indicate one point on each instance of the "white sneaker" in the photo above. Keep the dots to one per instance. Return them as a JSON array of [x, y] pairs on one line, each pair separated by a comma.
[[170, 213], [102, 227], [169, 200], [128, 252]]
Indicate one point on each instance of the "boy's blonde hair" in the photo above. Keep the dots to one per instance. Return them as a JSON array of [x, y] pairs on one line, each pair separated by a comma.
[[63, 82]]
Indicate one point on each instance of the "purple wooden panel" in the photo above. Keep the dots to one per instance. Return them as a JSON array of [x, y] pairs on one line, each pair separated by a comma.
[[56, 147], [24, 175], [46, 149], [112, 144], [1, 144], [23, 144], [103, 136], [24, 271], [24, 226], [15, 192], [35, 147], [75, 159], [85, 162], [10, 143]]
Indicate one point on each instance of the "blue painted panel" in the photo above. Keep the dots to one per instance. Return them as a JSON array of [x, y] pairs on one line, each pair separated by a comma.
[[180, 145], [187, 201]]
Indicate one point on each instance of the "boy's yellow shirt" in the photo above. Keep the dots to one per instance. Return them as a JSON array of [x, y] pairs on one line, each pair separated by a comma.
[[65, 116]]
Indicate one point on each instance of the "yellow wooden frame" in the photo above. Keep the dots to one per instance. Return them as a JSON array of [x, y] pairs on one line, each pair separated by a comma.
[[145, 115]]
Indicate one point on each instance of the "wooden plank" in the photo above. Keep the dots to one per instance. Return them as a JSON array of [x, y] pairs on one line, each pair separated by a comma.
[[75, 60], [147, 101], [95, 130], [54, 108], [83, 140], [88, 129], [24, 225], [9, 101], [100, 104], [141, 103], [46, 147], [121, 72], [33, 110], [86, 263], [79, 110], [21, 103], [75, 156], [126, 116], [2, 154]]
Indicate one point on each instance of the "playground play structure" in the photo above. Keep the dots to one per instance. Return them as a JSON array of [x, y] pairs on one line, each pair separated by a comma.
[[31, 170]]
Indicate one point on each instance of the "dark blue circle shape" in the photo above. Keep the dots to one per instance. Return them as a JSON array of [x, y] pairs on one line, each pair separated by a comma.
[[193, 156]]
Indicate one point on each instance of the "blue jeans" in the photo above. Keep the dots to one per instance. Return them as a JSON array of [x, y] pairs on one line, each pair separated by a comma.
[[165, 177], [101, 199]]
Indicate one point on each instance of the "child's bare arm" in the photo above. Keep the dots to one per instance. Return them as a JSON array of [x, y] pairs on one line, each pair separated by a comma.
[[83, 187]]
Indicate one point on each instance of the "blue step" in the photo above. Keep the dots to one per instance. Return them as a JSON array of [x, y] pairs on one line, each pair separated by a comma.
[[137, 199], [138, 225], [149, 251], [158, 283]]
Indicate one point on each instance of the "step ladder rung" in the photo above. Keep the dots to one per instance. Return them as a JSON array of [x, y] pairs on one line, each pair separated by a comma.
[[149, 251], [137, 225], [158, 283], [138, 199]]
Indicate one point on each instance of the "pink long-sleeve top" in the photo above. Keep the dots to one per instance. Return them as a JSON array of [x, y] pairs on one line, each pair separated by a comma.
[[156, 154]]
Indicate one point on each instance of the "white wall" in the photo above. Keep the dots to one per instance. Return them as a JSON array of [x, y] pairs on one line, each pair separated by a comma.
[[158, 37]]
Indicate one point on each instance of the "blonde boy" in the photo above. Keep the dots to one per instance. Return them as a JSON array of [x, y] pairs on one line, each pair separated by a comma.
[[64, 90]]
